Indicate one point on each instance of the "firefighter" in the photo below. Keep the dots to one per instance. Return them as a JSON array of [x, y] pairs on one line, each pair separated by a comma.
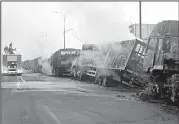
[[10, 48], [6, 50]]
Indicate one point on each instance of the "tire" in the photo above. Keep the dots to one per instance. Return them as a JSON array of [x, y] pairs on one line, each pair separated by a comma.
[[82, 77], [60, 74], [176, 102]]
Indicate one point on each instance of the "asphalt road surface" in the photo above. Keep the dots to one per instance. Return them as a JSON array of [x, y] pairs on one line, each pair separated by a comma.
[[38, 99]]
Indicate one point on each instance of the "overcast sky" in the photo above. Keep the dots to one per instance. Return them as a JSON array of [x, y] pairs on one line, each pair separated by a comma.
[[25, 24]]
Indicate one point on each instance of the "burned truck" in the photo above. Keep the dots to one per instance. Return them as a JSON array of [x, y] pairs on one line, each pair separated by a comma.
[[33, 65], [113, 63], [61, 61], [162, 59]]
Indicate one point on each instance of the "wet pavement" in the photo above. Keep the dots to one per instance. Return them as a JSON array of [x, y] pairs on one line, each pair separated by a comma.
[[38, 99]]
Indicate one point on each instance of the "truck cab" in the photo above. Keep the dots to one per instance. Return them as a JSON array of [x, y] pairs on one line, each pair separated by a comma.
[[11, 65], [164, 59]]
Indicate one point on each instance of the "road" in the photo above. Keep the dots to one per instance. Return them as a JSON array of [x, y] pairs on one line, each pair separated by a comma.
[[38, 99]]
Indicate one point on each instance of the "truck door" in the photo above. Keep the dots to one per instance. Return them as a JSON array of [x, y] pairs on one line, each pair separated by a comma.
[[137, 58], [158, 56]]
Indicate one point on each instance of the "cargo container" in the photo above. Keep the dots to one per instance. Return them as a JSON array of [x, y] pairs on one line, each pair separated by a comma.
[[61, 61], [33, 65]]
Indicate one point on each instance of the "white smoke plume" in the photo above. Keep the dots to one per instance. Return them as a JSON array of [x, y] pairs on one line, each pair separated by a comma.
[[46, 68], [99, 57], [93, 58]]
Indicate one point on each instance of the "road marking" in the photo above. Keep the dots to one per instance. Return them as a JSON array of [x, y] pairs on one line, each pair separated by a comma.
[[22, 79], [47, 111], [52, 114], [18, 83]]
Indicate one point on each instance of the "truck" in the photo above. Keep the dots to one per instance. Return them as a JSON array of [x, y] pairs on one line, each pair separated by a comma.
[[32, 65], [162, 59], [11, 64], [112, 63], [146, 30], [61, 61]]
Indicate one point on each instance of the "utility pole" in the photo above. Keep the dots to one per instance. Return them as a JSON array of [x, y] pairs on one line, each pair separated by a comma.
[[64, 30], [140, 19], [64, 17], [46, 37]]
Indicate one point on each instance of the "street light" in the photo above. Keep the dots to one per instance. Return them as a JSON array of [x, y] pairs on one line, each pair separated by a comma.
[[76, 37], [68, 30], [64, 32], [64, 17]]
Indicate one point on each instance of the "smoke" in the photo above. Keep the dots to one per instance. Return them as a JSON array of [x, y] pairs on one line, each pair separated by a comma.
[[46, 68], [101, 58]]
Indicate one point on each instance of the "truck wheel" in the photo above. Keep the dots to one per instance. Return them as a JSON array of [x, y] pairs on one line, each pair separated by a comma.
[[176, 102], [60, 74], [81, 76]]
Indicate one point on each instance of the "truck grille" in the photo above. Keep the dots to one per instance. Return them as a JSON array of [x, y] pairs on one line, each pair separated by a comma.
[[12, 66], [12, 69]]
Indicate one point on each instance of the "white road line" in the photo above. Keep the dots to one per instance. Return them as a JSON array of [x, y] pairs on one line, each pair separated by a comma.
[[48, 113], [22, 79], [18, 83], [54, 117]]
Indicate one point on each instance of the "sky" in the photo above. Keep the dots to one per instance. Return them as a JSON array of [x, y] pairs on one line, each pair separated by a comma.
[[26, 24]]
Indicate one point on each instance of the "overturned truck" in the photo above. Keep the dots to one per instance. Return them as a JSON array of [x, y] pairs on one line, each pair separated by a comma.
[[162, 59], [112, 64]]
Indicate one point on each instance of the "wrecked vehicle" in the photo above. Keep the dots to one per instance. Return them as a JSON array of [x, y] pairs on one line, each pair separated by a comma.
[[33, 65], [111, 64], [61, 61], [162, 59]]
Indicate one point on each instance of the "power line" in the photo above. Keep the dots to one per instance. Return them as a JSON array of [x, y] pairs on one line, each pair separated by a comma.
[[77, 37]]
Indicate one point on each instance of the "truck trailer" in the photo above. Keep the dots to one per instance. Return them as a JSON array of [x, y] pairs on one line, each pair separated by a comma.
[[61, 61], [113, 63], [33, 65]]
